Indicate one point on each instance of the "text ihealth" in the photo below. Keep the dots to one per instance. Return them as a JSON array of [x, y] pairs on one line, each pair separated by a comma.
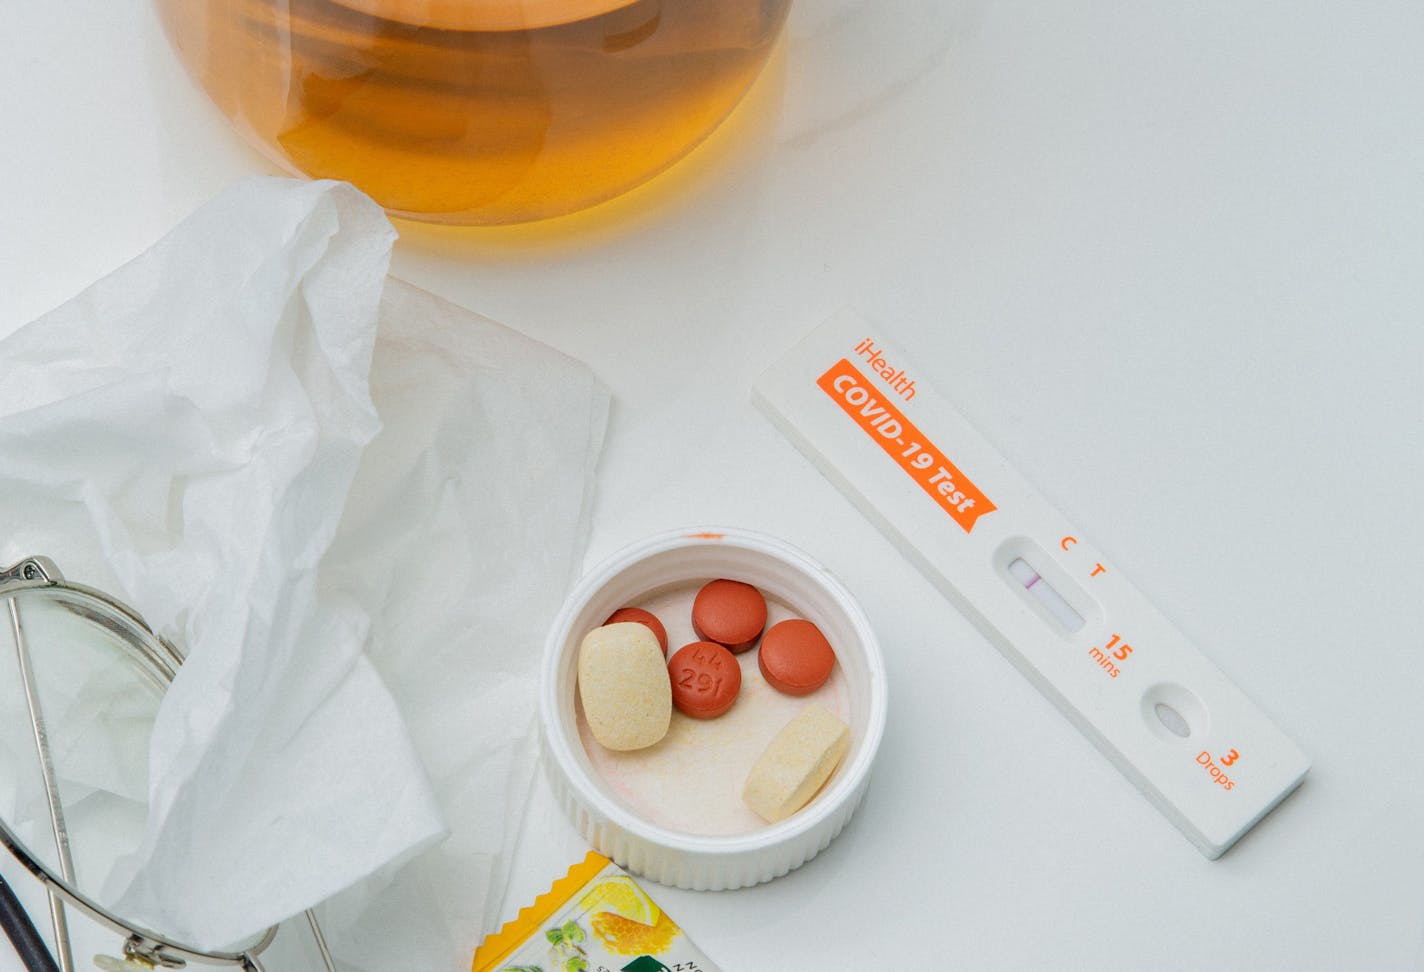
[[896, 379]]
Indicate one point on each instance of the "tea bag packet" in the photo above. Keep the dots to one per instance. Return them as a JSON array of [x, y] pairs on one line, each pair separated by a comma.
[[291, 466], [596, 916]]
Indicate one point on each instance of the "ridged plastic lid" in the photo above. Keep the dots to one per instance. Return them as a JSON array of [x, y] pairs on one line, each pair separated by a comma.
[[607, 821]]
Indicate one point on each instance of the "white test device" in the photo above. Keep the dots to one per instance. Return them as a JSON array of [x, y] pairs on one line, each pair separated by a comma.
[[1201, 751]]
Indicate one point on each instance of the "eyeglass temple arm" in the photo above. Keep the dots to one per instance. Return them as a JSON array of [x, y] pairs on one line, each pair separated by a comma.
[[320, 941], [58, 919], [22, 933]]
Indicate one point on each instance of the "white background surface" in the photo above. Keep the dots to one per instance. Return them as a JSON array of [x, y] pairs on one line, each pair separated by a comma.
[[1166, 256]]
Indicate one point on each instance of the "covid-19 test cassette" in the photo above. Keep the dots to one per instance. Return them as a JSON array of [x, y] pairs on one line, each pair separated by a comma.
[[1032, 582]]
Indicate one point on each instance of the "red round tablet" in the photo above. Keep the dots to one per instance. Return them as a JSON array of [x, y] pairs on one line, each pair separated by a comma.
[[730, 613], [640, 616], [795, 657], [705, 679]]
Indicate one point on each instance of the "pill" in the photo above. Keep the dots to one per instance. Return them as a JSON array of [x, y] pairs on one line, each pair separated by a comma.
[[705, 679], [623, 685], [795, 657], [796, 763], [730, 613], [642, 617]]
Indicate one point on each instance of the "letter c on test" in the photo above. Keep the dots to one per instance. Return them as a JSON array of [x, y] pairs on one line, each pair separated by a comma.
[[1068, 542], [841, 382]]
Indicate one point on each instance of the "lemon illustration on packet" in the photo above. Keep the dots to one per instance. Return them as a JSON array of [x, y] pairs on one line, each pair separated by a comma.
[[596, 916], [625, 920]]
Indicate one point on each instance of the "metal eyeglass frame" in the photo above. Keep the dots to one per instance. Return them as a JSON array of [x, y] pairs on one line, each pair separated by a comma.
[[159, 660]]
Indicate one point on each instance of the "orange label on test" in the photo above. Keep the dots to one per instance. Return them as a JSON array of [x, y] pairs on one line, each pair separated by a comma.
[[865, 403]]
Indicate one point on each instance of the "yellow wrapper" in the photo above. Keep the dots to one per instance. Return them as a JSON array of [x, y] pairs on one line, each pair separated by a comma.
[[596, 918]]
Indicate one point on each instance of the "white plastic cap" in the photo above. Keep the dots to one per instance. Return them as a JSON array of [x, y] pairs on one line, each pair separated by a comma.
[[681, 859]]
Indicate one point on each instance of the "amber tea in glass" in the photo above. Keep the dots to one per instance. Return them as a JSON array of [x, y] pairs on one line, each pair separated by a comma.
[[476, 111]]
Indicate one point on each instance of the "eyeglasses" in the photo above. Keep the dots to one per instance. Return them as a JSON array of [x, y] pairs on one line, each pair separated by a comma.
[[80, 685]]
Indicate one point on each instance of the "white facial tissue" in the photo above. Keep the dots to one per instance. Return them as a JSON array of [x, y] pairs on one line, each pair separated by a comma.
[[353, 506]]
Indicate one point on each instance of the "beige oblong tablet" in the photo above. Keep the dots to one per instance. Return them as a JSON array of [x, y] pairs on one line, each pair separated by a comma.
[[796, 763], [623, 685]]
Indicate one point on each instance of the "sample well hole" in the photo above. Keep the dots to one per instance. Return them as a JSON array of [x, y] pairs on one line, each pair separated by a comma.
[[1173, 720]]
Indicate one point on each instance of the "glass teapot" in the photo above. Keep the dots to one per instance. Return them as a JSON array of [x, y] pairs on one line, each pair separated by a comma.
[[476, 111]]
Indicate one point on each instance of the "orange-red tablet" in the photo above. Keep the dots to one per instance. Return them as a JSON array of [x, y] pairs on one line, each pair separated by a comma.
[[730, 613], [795, 657], [705, 679]]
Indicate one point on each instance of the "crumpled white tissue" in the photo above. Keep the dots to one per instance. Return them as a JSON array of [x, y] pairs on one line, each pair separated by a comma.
[[357, 558], [500, 437]]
